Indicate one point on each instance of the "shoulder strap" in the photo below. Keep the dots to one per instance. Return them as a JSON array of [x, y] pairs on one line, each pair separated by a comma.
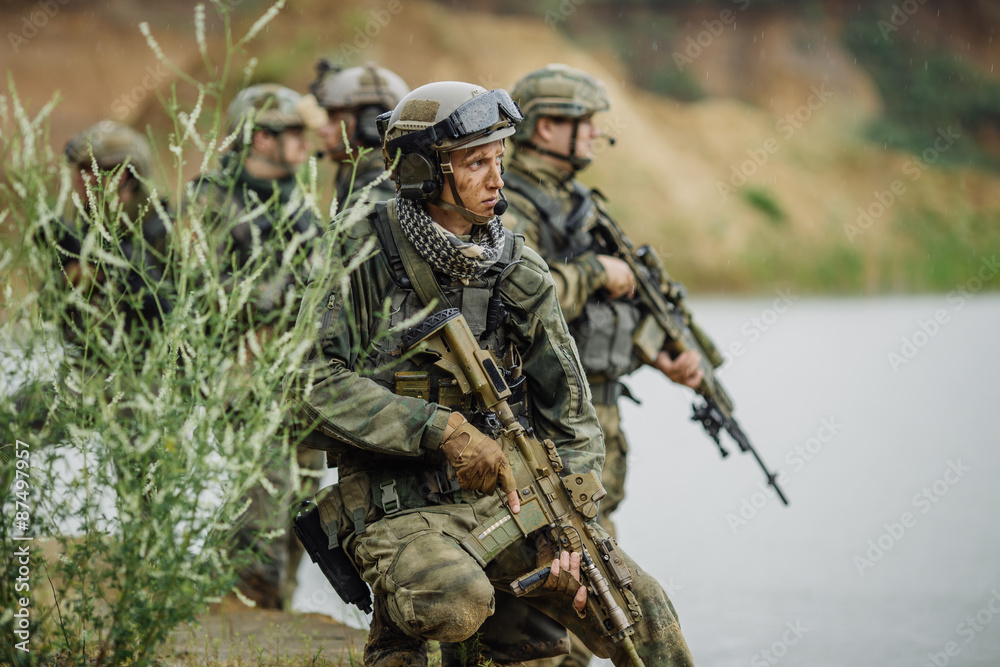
[[417, 269], [547, 207], [379, 219], [557, 230], [545, 204], [406, 261]]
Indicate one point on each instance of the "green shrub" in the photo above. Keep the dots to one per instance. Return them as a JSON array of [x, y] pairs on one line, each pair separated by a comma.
[[142, 440]]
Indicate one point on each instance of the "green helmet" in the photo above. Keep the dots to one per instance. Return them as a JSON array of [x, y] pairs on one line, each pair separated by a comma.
[[432, 121], [556, 90], [275, 108], [111, 144]]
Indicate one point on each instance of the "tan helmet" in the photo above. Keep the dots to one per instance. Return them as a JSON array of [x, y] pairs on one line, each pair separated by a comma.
[[348, 89], [365, 92], [275, 108], [111, 144], [432, 121], [448, 115]]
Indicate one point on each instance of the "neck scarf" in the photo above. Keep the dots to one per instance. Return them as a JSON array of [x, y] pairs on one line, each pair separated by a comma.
[[445, 252]]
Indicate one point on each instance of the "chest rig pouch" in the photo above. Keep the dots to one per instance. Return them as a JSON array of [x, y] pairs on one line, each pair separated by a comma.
[[405, 487], [605, 329], [417, 285]]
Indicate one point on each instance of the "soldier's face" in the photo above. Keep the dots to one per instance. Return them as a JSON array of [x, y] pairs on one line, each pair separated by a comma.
[[294, 146], [587, 134], [332, 133], [83, 176], [556, 134], [477, 177]]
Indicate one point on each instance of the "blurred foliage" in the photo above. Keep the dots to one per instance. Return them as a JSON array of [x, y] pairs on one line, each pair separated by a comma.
[[765, 202], [924, 90]]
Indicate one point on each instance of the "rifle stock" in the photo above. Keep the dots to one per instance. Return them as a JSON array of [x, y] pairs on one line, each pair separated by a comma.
[[668, 325], [560, 507]]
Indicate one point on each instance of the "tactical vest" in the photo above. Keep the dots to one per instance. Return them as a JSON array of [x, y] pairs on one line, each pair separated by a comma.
[[473, 300], [605, 329], [395, 485]]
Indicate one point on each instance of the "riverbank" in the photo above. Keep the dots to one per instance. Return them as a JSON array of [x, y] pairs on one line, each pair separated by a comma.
[[234, 635]]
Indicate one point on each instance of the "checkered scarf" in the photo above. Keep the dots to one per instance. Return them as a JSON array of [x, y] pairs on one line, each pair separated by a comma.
[[445, 252]]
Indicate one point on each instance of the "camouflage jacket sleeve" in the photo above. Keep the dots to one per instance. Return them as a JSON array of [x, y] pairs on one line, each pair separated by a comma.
[[343, 402], [557, 386], [575, 280]]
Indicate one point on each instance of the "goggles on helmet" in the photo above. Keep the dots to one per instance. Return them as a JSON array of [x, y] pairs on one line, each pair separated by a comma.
[[475, 118]]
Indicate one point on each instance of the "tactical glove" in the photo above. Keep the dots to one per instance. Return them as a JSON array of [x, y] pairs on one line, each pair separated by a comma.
[[567, 582], [478, 459], [564, 583]]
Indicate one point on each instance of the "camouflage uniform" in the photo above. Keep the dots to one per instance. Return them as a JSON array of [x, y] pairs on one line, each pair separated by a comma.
[[396, 510], [222, 199], [602, 329], [111, 145], [557, 215]]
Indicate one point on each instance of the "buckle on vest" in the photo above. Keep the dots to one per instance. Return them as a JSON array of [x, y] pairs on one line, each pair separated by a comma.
[[390, 499]]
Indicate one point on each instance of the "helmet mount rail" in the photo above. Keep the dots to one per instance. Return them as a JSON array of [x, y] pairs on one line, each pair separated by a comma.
[[475, 119]]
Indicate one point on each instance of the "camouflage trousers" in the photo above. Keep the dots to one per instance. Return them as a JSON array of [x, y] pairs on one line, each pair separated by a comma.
[[269, 580], [435, 590], [615, 463]]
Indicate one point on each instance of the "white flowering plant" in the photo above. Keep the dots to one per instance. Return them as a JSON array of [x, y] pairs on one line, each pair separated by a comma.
[[145, 405]]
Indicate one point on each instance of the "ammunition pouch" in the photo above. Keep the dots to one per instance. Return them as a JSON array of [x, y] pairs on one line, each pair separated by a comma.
[[434, 388], [321, 543], [606, 393], [604, 335]]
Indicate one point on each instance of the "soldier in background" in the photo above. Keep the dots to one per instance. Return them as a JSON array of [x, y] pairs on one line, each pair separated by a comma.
[[557, 215], [114, 161], [262, 171], [353, 98]]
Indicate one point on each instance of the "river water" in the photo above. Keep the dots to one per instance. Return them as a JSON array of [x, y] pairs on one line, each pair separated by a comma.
[[883, 416]]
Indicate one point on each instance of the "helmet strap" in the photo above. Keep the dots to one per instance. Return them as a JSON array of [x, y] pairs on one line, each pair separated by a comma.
[[576, 163], [449, 175]]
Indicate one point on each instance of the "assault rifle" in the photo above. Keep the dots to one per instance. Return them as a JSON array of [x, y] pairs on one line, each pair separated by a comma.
[[668, 325], [561, 507]]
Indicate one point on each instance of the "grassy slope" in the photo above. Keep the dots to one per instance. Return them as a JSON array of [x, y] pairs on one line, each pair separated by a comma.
[[784, 227]]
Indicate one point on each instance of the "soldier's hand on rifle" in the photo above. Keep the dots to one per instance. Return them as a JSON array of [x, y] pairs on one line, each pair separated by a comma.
[[564, 577], [479, 460], [621, 280], [685, 369]]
